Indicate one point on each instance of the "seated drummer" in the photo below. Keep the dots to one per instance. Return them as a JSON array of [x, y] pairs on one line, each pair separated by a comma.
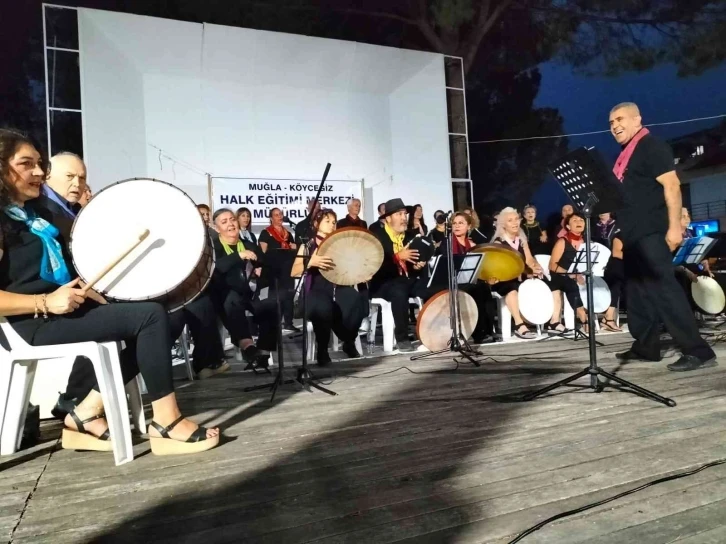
[[510, 235], [563, 255], [61, 195], [392, 281], [46, 306], [329, 307], [461, 224], [233, 296]]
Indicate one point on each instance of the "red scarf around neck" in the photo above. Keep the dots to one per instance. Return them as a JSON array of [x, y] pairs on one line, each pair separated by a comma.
[[574, 239], [282, 239], [461, 249], [621, 165]]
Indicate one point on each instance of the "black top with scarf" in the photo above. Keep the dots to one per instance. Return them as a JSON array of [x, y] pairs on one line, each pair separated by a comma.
[[22, 253], [229, 270], [61, 220], [389, 269]]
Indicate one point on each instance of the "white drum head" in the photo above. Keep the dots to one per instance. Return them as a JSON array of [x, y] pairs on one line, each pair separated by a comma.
[[600, 295], [535, 301], [708, 295], [598, 268], [113, 221]]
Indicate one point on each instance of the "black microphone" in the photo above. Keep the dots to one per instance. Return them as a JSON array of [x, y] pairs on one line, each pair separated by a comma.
[[443, 217], [286, 219]]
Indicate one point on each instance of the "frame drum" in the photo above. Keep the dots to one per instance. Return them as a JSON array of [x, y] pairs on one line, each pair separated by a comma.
[[600, 295], [357, 255], [172, 266], [535, 301], [433, 326], [499, 262], [708, 295]]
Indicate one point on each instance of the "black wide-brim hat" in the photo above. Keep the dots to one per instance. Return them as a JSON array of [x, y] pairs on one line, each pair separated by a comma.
[[394, 205]]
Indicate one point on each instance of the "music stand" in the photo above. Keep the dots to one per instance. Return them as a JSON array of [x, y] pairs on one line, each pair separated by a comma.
[[584, 177], [578, 266], [457, 343], [304, 377], [466, 268], [693, 250]]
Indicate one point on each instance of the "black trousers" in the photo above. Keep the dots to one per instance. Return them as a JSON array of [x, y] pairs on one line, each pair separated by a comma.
[[341, 312], [200, 317], [144, 327], [564, 283], [655, 297], [232, 307], [615, 278], [397, 291]]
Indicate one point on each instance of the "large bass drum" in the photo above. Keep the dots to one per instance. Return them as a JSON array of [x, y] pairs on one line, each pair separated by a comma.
[[172, 266]]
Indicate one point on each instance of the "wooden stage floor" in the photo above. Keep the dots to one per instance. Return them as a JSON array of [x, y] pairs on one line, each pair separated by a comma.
[[439, 455]]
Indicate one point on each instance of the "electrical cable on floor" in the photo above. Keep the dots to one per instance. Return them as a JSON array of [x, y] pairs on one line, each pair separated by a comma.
[[677, 476]]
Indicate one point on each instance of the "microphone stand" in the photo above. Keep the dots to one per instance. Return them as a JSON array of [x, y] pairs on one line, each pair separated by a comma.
[[304, 376]]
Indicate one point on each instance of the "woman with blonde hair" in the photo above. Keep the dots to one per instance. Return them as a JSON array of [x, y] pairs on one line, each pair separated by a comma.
[[510, 234]]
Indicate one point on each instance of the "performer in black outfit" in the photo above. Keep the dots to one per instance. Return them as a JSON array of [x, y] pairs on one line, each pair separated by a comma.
[[615, 278], [378, 225], [563, 255], [392, 281], [353, 218], [479, 234], [536, 235], [650, 229], [46, 306], [233, 297], [438, 233], [329, 307], [605, 230]]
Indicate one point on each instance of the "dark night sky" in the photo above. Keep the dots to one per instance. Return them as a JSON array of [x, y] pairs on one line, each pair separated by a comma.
[[585, 102]]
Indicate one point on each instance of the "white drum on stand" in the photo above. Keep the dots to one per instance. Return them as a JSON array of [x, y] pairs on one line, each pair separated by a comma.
[[535, 301], [172, 266], [600, 295]]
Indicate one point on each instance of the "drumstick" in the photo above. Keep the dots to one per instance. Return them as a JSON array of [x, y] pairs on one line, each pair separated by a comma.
[[143, 236]]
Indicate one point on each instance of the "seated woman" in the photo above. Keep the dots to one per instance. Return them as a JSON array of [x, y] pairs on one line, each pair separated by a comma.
[[563, 254], [329, 307], [47, 306], [615, 278], [481, 293], [274, 238], [233, 295], [510, 235]]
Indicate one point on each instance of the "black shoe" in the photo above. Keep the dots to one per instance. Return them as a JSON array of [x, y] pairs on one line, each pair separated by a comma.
[[350, 350], [255, 358], [323, 357], [690, 362], [405, 346], [482, 338], [630, 355], [64, 406]]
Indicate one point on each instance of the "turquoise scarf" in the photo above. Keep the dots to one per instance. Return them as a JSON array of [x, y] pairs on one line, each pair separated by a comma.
[[52, 266]]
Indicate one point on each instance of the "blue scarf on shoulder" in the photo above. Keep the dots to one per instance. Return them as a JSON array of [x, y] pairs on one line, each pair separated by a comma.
[[52, 266]]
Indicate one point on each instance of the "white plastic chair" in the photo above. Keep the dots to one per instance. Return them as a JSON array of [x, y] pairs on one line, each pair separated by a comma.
[[333, 339], [504, 316], [379, 305], [17, 370]]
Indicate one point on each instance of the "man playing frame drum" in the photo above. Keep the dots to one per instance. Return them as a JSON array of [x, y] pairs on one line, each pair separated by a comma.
[[392, 282]]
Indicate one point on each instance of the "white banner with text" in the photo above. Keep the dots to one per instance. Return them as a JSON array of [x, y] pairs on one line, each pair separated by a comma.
[[290, 195]]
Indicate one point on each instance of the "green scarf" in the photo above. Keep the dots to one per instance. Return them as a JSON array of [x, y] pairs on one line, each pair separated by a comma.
[[228, 250]]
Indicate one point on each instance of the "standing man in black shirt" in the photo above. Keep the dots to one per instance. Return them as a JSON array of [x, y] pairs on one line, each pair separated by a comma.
[[651, 230]]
